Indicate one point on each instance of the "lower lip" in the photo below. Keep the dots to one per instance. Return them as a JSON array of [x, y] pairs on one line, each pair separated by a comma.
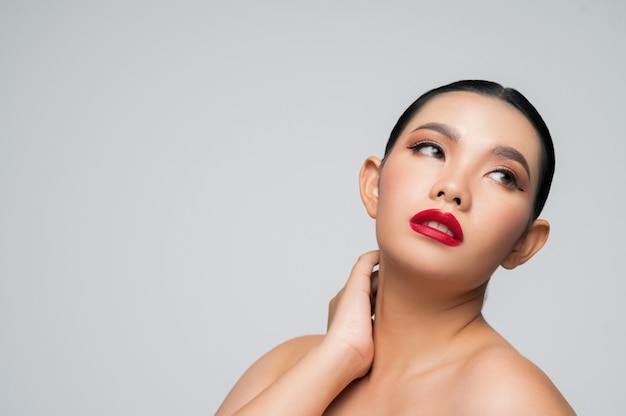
[[435, 234]]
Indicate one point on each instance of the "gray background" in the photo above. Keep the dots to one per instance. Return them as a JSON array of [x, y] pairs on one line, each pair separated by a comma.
[[178, 185]]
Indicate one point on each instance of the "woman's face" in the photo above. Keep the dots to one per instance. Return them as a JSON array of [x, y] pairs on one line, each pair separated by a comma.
[[456, 192]]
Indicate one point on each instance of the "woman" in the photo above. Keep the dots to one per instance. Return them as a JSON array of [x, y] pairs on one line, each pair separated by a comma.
[[466, 172]]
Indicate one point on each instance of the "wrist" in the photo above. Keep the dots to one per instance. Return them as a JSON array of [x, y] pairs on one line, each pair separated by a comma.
[[348, 362]]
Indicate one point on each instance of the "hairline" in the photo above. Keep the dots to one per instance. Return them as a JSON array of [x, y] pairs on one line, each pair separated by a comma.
[[507, 95]]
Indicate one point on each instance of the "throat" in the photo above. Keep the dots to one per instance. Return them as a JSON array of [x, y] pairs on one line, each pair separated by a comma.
[[413, 331]]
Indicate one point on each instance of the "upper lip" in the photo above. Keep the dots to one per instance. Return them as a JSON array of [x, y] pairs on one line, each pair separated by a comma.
[[441, 224]]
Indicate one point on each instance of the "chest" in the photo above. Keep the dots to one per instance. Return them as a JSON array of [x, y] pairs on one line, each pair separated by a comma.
[[432, 395]]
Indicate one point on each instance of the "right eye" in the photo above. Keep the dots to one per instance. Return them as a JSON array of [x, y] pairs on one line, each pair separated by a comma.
[[428, 149]]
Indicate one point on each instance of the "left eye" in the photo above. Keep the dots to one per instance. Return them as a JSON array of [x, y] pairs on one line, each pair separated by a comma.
[[505, 177], [428, 149]]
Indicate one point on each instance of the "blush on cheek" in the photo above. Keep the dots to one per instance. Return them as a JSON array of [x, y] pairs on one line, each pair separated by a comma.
[[519, 229]]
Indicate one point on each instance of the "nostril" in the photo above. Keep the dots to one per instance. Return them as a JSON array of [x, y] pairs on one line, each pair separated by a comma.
[[456, 199]]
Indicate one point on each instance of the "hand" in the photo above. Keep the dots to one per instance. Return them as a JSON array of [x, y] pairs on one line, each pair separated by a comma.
[[350, 312], [303, 376]]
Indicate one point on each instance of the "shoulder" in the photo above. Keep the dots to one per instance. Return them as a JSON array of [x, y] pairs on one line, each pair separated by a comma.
[[275, 362], [279, 359], [498, 380], [267, 369]]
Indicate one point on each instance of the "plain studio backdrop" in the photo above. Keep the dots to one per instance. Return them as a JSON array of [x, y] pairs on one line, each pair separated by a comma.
[[178, 185]]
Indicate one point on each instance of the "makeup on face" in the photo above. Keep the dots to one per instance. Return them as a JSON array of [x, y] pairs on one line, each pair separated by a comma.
[[440, 226], [501, 151]]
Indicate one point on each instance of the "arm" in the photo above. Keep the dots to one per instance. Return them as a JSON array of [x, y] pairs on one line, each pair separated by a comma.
[[304, 375]]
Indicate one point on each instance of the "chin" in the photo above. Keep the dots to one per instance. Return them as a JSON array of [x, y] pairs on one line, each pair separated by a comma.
[[437, 264]]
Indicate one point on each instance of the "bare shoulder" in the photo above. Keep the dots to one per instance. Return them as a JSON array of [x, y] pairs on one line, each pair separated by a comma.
[[498, 380], [266, 370]]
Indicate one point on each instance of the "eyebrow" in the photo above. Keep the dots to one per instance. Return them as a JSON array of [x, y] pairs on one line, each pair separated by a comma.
[[504, 152], [441, 128], [507, 152]]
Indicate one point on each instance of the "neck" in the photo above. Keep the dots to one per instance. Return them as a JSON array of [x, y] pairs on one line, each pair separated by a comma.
[[418, 321]]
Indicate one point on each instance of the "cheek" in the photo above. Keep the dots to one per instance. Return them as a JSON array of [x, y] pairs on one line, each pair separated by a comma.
[[512, 223], [519, 215], [395, 199], [402, 184]]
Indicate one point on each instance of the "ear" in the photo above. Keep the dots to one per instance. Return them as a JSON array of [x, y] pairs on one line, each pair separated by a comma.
[[368, 184], [528, 244]]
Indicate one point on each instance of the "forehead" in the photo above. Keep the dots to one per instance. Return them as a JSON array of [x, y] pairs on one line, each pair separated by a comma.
[[481, 121]]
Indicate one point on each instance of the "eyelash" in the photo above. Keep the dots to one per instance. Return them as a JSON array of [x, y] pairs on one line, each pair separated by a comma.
[[417, 147], [514, 182], [440, 154]]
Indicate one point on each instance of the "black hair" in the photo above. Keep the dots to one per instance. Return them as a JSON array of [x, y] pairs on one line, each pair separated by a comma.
[[508, 95]]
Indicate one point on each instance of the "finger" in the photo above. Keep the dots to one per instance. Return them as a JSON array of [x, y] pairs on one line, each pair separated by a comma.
[[332, 307], [361, 275], [359, 281]]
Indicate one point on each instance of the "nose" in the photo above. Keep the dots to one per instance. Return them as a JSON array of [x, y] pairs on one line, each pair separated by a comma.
[[453, 190]]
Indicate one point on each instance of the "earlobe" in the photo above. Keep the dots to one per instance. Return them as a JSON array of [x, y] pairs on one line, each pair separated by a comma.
[[368, 184], [529, 244]]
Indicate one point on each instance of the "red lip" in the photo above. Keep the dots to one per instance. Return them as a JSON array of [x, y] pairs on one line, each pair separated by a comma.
[[419, 220]]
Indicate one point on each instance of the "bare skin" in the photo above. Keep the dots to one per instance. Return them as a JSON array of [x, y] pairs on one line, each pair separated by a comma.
[[429, 350]]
